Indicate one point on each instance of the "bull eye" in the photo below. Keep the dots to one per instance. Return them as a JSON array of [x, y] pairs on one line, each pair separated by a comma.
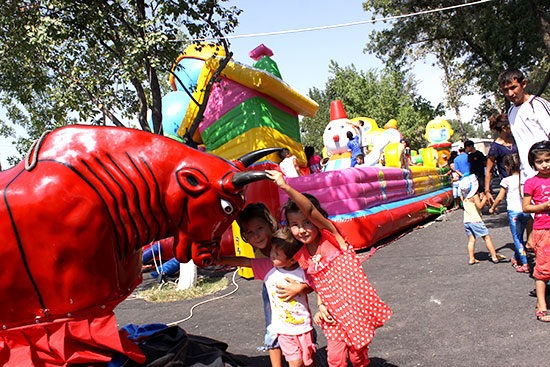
[[192, 180], [227, 207]]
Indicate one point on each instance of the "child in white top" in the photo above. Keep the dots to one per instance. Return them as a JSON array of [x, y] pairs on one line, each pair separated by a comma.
[[291, 319], [289, 164], [517, 219], [473, 224]]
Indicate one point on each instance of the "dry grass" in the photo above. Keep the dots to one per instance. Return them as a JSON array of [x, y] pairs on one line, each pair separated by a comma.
[[168, 292]]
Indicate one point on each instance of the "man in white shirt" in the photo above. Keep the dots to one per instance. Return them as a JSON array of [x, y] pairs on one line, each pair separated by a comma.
[[529, 121], [529, 117]]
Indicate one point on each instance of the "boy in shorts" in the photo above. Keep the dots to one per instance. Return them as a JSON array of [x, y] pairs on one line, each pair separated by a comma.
[[473, 224]]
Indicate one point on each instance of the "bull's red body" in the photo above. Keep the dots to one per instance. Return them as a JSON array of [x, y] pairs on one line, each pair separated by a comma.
[[72, 228]]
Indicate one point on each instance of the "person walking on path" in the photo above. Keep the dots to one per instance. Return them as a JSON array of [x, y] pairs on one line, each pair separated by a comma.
[[536, 199], [473, 224], [477, 162], [529, 119], [349, 307], [503, 145], [517, 219]]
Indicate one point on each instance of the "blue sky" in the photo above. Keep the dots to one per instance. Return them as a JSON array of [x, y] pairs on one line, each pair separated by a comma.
[[303, 58]]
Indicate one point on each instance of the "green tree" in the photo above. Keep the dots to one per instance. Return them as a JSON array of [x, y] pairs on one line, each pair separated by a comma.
[[96, 62], [470, 131], [382, 95], [484, 39]]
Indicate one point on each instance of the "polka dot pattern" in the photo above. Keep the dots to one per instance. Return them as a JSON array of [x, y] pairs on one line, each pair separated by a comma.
[[344, 288]]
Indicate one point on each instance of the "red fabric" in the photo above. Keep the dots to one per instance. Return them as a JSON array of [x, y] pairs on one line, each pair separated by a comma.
[[345, 290], [63, 342]]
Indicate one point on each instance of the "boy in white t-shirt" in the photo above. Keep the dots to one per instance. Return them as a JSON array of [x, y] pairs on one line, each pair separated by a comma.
[[517, 219], [291, 318]]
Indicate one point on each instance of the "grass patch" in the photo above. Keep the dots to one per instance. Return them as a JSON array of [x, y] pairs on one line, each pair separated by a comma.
[[168, 292]]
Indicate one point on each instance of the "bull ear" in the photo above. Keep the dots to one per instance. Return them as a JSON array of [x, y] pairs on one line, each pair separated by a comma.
[[252, 157], [192, 181], [241, 179]]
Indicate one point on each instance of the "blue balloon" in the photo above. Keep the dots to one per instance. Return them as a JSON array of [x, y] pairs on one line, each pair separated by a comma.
[[174, 108], [187, 72]]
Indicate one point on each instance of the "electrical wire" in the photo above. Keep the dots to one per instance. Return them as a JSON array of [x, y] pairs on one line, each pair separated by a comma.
[[208, 300], [394, 17]]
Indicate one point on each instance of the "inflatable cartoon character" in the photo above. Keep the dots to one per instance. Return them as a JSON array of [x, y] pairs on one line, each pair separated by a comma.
[[438, 133], [335, 137]]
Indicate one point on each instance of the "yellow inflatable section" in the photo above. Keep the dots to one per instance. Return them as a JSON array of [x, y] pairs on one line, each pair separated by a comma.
[[258, 138]]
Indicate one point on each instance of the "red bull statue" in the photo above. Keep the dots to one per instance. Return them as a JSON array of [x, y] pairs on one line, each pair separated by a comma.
[[73, 219]]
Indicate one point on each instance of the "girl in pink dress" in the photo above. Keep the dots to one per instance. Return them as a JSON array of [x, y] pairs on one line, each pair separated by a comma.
[[536, 199], [349, 308]]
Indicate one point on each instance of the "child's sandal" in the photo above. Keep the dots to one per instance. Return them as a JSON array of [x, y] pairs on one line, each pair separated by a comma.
[[543, 316], [523, 269]]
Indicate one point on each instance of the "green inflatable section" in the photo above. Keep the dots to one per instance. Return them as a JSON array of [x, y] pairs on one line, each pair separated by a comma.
[[267, 64], [252, 113]]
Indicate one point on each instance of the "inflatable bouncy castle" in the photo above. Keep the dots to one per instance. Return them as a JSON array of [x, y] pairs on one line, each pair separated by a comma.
[[252, 107]]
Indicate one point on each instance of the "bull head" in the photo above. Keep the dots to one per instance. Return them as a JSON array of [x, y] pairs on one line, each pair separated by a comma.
[[213, 198]]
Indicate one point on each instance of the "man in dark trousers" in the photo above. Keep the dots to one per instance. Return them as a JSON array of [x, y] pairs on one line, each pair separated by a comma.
[[478, 161]]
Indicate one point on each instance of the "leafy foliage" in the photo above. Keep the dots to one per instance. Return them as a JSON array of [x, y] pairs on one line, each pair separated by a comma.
[[382, 95], [96, 62], [484, 39]]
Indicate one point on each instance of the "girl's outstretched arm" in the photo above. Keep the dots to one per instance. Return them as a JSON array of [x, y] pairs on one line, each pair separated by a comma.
[[306, 207]]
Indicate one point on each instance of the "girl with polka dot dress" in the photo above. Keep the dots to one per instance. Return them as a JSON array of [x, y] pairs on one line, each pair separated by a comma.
[[349, 307]]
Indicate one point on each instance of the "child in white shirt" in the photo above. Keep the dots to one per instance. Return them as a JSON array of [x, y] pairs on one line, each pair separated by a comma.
[[291, 318], [517, 219]]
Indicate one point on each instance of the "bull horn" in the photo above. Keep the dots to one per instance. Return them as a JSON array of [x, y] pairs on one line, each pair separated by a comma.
[[241, 179], [252, 157]]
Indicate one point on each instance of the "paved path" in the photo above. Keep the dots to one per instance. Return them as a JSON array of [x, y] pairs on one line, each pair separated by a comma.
[[445, 312]]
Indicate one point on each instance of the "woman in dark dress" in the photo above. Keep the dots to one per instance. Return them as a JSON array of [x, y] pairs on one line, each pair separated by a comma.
[[504, 144]]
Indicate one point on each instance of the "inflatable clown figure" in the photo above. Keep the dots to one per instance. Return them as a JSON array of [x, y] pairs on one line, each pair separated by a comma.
[[373, 138], [335, 137]]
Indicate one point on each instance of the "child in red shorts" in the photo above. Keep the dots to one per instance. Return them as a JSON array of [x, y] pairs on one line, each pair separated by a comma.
[[536, 199]]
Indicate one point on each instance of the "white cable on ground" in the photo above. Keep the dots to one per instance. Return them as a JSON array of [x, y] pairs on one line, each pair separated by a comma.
[[208, 300]]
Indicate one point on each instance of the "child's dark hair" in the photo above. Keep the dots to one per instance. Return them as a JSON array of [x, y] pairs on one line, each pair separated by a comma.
[[497, 122], [255, 210], [349, 134], [291, 207], [284, 240], [361, 156], [511, 162], [508, 76], [283, 153], [536, 149]]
